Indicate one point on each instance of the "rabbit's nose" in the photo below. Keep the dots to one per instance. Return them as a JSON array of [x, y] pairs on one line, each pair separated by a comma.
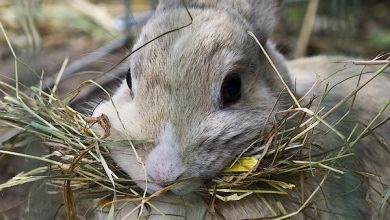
[[163, 166]]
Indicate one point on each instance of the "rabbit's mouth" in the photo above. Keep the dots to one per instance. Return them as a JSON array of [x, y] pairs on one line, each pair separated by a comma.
[[179, 188], [186, 187]]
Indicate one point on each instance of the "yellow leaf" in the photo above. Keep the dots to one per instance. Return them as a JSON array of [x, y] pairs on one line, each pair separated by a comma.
[[244, 164]]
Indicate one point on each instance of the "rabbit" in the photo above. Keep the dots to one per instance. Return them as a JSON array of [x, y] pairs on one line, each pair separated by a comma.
[[203, 92]]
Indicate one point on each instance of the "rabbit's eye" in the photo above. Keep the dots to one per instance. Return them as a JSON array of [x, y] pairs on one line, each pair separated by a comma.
[[128, 79], [231, 89]]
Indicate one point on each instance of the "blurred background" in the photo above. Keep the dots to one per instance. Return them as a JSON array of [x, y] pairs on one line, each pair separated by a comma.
[[349, 27], [95, 35]]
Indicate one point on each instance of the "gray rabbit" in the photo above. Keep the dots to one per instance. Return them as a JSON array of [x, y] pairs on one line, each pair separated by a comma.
[[203, 94]]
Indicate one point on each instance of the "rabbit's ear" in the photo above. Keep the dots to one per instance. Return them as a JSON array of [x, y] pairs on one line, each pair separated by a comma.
[[261, 14]]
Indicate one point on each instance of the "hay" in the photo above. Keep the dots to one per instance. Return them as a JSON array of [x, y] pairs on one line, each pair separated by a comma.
[[78, 161]]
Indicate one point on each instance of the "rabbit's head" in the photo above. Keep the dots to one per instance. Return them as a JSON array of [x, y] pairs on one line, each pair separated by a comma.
[[202, 93]]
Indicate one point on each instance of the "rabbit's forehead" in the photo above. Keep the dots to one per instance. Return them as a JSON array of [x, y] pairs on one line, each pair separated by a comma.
[[213, 41]]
